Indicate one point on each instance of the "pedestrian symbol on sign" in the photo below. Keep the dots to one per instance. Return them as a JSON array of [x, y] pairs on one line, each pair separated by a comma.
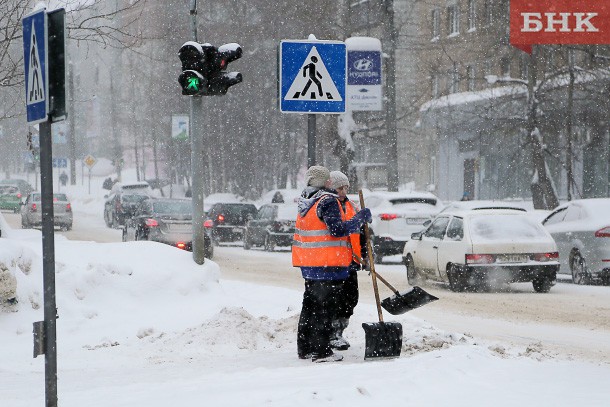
[[35, 83], [314, 72]]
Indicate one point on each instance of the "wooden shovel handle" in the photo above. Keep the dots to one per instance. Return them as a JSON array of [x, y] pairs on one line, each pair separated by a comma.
[[369, 248]]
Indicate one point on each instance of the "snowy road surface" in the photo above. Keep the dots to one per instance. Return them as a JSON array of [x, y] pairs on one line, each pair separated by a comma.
[[517, 314]]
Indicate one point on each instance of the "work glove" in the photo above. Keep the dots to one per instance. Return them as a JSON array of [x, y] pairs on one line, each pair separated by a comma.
[[366, 215]]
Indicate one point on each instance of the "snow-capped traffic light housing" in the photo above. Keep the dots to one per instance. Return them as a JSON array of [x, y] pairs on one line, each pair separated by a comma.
[[203, 68]]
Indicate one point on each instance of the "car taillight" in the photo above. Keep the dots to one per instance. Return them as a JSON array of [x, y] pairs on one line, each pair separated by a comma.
[[388, 216], [151, 223], [546, 256], [33, 208], [220, 218], [480, 258], [181, 245], [68, 208], [19, 195], [54, 199], [208, 223], [603, 232]]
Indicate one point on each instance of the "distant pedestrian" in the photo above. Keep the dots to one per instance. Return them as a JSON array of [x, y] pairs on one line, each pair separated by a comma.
[[349, 300], [107, 183], [321, 249], [63, 178], [466, 196], [277, 198]]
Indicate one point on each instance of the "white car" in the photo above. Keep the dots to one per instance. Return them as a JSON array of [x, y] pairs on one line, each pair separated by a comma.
[[481, 249], [581, 229], [397, 215]]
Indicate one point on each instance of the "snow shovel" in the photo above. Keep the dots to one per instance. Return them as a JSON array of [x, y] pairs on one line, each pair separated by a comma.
[[400, 303], [382, 339]]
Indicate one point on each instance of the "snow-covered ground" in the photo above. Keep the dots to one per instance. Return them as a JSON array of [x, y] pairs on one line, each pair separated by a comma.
[[140, 324]]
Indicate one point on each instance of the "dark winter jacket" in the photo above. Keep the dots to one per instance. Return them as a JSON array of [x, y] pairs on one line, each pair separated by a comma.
[[330, 214]]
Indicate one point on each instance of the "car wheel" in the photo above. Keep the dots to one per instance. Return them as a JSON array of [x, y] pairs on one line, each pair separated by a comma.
[[377, 256], [580, 273], [269, 243], [413, 277], [542, 285], [107, 219], [247, 243], [124, 235], [457, 282]]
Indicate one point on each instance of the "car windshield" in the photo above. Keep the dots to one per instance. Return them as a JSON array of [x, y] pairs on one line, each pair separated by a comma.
[[173, 207], [7, 189], [133, 198], [56, 197], [505, 227]]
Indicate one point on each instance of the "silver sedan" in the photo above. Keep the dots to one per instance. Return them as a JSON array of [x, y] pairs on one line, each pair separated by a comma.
[[581, 229]]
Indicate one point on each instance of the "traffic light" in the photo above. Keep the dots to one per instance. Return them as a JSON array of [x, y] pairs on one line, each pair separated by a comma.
[[203, 68]]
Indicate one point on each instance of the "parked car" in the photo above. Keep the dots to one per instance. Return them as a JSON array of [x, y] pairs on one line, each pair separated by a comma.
[[31, 211], [273, 226], [168, 221], [482, 249], [396, 215], [23, 185], [581, 229], [10, 197], [121, 206], [227, 221]]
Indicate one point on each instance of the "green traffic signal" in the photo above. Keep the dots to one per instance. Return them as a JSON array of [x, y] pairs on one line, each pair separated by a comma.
[[193, 84]]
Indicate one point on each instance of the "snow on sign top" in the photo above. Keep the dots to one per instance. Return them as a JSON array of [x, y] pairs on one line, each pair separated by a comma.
[[312, 76]]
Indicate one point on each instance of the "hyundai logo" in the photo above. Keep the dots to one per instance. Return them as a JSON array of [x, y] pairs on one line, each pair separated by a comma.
[[363, 64]]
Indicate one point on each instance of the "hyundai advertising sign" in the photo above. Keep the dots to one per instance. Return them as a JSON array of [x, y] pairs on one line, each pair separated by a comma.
[[364, 87]]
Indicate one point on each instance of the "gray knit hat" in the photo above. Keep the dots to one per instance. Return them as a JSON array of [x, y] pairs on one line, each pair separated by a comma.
[[338, 179], [316, 176]]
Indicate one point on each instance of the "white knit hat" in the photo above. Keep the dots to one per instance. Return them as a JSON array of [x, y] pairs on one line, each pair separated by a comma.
[[338, 179], [316, 176]]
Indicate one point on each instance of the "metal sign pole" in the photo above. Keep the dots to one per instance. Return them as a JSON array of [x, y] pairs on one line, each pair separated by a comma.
[[196, 111], [48, 263], [311, 140]]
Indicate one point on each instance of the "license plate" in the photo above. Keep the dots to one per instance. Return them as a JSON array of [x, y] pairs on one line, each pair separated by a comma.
[[512, 258], [236, 230]]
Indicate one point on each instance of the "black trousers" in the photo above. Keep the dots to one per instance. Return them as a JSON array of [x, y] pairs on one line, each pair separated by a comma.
[[349, 295], [320, 303]]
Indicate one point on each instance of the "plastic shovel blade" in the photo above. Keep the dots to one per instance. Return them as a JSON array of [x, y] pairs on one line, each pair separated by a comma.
[[382, 340], [406, 301]]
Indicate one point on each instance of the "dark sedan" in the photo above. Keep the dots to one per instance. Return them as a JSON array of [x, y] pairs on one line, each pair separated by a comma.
[[166, 221], [273, 226], [227, 221]]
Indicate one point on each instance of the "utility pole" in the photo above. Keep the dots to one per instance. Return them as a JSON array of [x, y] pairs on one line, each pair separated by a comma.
[[196, 109], [72, 128], [391, 35]]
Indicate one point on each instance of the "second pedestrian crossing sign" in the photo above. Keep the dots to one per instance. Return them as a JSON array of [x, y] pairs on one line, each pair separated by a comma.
[[312, 76]]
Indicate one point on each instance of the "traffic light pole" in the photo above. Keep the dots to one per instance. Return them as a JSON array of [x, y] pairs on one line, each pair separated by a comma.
[[196, 112]]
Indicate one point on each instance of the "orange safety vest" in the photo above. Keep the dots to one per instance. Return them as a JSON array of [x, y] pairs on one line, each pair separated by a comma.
[[354, 238], [313, 245]]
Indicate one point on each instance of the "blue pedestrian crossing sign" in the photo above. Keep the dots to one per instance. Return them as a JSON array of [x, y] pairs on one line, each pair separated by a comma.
[[312, 76], [35, 52]]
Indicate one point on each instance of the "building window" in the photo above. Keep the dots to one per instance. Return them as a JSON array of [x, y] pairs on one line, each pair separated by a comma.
[[454, 86], [489, 12], [505, 67], [436, 23], [472, 15], [524, 67], [434, 85], [470, 73], [453, 20]]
